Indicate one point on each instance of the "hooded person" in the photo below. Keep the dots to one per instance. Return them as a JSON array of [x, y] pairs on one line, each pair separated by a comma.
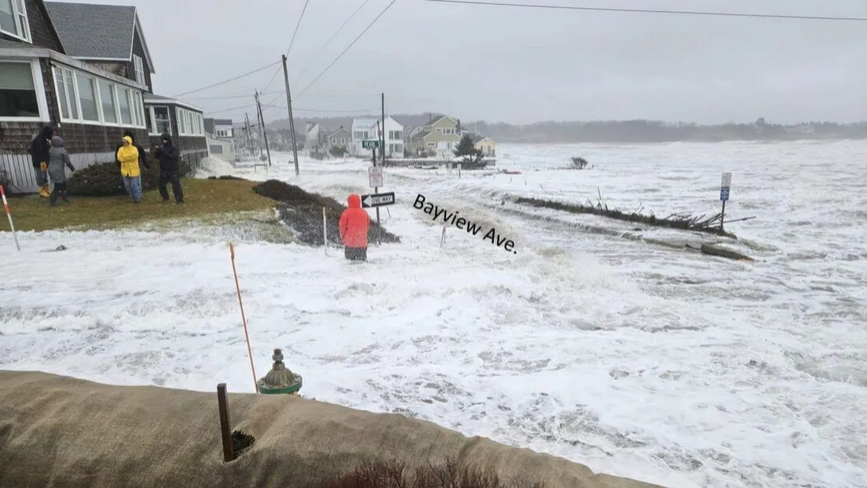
[[354, 225], [58, 161], [128, 157], [39, 147], [142, 154], [170, 166]]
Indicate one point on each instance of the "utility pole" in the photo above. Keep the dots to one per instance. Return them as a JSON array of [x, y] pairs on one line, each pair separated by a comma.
[[262, 129], [259, 141], [291, 118], [248, 138], [383, 129]]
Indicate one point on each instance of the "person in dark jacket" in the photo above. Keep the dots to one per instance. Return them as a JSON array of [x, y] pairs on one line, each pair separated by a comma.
[[142, 154], [39, 147], [354, 224], [170, 167], [58, 162]]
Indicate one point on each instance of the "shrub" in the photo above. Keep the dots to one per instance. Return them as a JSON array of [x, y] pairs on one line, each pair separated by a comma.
[[579, 162], [104, 179], [303, 212], [338, 151]]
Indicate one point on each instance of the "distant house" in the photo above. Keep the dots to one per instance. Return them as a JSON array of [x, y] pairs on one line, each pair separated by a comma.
[[362, 129], [393, 138], [221, 139], [368, 128], [315, 137], [220, 128], [341, 138], [438, 138], [181, 120], [484, 144], [84, 69]]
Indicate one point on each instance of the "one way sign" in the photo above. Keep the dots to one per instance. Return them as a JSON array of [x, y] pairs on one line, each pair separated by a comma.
[[377, 200]]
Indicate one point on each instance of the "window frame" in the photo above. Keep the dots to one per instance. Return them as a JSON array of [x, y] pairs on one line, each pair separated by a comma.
[[38, 87], [22, 22], [153, 114], [138, 67], [134, 99]]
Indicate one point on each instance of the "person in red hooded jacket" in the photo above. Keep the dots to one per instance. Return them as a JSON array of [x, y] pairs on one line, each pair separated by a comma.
[[354, 223]]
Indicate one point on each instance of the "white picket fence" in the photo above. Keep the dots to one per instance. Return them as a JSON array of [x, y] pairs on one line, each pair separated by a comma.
[[22, 176]]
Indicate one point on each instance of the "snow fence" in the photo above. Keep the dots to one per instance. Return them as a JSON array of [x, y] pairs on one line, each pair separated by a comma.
[[59, 431]]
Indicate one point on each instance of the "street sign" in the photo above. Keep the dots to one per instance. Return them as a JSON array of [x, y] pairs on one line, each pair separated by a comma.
[[725, 187], [377, 200], [371, 144], [374, 173]]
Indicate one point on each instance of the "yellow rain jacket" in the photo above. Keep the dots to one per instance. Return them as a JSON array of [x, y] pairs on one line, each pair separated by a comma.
[[128, 157]]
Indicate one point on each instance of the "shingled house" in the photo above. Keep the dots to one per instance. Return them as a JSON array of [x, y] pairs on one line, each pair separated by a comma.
[[84, 69]]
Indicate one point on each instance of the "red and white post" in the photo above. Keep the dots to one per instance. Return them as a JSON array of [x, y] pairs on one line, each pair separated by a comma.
[[9, 216]]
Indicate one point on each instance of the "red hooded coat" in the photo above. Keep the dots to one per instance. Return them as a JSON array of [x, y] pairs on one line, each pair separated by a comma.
[[354, 223]]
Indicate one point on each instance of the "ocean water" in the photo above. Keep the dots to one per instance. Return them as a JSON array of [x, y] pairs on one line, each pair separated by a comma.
[[636, 359]]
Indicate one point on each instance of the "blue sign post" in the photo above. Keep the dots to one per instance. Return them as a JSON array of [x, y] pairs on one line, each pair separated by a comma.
[[724, 190]]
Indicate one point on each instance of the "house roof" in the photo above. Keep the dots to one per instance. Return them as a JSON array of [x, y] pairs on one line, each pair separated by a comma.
[[365, 122], [422, 134], [342, 129], [152, 99], [89, 31], [441, 117]]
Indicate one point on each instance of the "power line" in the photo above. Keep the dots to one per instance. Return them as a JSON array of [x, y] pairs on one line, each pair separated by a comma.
[[652, 11], [272, 78], [324, 110], [345, 50], [339, 29], [227, 81], [296, 28], [227, 97]]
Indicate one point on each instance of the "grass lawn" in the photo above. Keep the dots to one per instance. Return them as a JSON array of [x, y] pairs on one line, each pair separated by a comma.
[[203, 200]]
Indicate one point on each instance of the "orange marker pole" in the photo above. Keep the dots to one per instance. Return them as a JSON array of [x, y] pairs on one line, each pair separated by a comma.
[[243, 317], [9, 216]]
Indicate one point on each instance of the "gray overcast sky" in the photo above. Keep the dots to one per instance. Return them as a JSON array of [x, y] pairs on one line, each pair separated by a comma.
[[520, 65]]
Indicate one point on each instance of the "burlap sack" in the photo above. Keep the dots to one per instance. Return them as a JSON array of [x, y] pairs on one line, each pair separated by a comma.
[[63, 432]]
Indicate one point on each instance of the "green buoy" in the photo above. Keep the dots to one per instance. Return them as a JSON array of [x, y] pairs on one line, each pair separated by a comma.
[[280, 380]]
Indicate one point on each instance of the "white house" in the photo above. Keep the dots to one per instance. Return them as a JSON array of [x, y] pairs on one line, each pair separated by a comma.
[[368, 128], [316, 136]]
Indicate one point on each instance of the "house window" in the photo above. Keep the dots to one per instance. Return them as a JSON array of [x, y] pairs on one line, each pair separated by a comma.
[[62, 95], [66, 94], [395, 134], [216, 149], [87, 97], [343, 140], [139, 69], [123, 99], [160, 121], [13, 19], [109, 108], [18, 96]]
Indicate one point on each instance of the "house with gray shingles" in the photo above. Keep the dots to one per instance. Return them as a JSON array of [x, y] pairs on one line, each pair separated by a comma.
[[341, 138], [85, 70]]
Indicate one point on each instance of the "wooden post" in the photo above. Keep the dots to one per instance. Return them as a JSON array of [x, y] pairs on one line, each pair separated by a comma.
[[722, 218], [225, 429]]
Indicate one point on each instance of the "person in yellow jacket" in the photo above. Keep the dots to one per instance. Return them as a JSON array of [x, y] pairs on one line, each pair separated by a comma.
[[129, 168]]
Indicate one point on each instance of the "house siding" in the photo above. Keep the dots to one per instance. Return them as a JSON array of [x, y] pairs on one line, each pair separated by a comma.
[[41, 31], [192, 148], [138, 50], [114, 67]]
